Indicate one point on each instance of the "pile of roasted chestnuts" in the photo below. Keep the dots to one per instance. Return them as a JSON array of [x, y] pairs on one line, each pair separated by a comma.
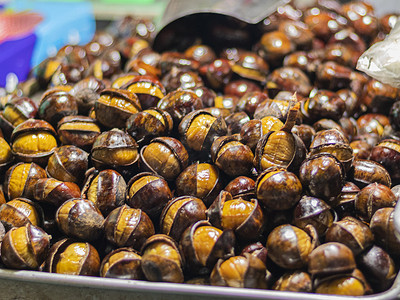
[[274, 165]]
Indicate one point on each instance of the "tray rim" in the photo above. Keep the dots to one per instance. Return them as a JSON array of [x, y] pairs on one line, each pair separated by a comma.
[[157, 288]]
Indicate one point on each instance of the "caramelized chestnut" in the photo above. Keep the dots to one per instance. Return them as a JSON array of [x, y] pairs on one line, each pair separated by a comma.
[[295, 281], [161, 260], [122, 263], [25, 247], [80, 219], [241, 186], [55, 192], [149, 192], [73, 258], [382, 226], [128, 227], [364, 172], [20, 211]]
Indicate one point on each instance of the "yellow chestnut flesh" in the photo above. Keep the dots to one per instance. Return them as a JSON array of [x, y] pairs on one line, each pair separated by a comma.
[[26, 209], [116, 156], [156, 114], [13, 116], [146, 88], [81, 126], [198, 130], [71, 259], [204, 240], [18, 179], [282, 141], [127, 222], [119, 256], [348, 286], [235, 212], [36, 143], [161, 159], [271, 123], [171, 213], [207, 176], [5, 151], [119, 103], [164, 250], [140, 183], [20, 242], [233, 270]]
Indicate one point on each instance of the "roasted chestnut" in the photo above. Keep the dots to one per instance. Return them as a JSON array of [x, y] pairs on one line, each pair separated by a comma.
[[351, 232], [73, 258], [161, 260], [25, 247], [364, 172], [240, 271], [241, 186], [382, 226], [148, 124], [231, 156], [56, 104], [331, 258], [148, 90], [295, 281], [122, 263], [289, 246], [387, 154], [20, 180], [250, 66], [106, 189], [115, 106], [20, 211], [244, 217], [202, 245], [86, 92], [278, 189], [68, 163], [148, 192], [199, 128], [55, 192], [371, 198], [80, 131], [315, 212], [33, 141], [128, 227], [201, 180], [179, 214], [165, 156], [114, 149]]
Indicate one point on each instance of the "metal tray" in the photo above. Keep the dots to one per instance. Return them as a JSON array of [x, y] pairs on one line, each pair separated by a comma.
[[41, 285]]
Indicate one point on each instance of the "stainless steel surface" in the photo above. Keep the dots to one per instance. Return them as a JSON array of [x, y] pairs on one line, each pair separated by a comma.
[[397, 219], [40, 285]]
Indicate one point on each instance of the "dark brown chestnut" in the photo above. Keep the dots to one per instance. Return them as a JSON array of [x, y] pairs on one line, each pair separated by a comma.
[[122, 263]]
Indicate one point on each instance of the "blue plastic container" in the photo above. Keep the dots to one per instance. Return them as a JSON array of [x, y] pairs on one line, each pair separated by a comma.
[[15, 57], [63, 23]]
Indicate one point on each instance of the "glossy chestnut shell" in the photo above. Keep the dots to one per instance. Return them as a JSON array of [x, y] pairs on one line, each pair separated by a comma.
[[122, 263], [136, 227], [73, 258], [295, 281], [382, 226], [55, 192], [20, 211]]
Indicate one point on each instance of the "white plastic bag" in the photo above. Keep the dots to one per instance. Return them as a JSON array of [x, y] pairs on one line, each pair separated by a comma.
[[382, 60]]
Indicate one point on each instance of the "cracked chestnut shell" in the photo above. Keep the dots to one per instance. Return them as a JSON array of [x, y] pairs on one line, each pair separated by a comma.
[[20, 179], [241, 186], [386, 152], [115, 106], [179, 214], [201, 180], [128, 227], [351, 232], [33, 141], [289, 246], [382, 226], [55, 192], [295, 281], [371, 198], [73, 258], [56, 104], [278, 189], [80, 131], [148, 124], [315, 212], [80, 219], [122, 263], [20, 211], [161, 259], [199, 129], [202, 245], [231, 156], [331, 258], [245, 218], [364, 172], [114, 149], [68, 163], [149, 192], [322, 176], [25, 247], [245, 271], [106, 189], [253, 130], [6, 156], [179, 103], [86, 92], [165, 156]]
